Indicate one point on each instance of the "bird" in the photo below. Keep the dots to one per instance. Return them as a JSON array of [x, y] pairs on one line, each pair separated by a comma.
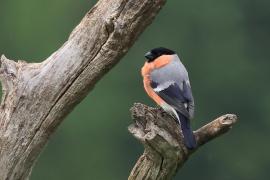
[[166, 81]]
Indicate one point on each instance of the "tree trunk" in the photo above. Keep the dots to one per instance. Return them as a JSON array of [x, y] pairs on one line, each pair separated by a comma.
[[37, 96]]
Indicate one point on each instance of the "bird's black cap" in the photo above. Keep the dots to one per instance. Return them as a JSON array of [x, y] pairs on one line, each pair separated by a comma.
[[156, 52]]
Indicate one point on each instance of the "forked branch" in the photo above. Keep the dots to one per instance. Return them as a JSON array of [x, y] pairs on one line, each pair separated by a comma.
[[164, 150]]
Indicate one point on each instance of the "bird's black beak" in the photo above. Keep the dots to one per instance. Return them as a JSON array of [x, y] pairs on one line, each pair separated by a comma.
[[149, 56]]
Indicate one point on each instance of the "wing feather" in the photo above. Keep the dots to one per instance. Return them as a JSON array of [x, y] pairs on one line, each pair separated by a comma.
[[173, 96]]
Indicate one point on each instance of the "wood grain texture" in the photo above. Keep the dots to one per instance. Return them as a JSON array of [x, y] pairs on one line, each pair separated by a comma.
[[37, 96], [161, 136]]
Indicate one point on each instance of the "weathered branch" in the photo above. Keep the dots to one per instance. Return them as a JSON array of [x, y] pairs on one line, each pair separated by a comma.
[[164, 150], [38, 96]]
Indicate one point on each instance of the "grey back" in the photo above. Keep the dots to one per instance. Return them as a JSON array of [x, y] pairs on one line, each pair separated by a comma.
[[173, 72]]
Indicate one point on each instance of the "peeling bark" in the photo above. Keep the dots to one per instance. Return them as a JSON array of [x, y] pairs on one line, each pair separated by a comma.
[[37, 96], [161, 136]]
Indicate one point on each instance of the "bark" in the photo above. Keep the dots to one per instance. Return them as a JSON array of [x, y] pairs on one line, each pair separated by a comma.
[[161, 136], [37, 96]]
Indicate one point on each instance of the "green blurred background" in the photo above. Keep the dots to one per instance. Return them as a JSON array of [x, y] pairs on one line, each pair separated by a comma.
[[224, 45]]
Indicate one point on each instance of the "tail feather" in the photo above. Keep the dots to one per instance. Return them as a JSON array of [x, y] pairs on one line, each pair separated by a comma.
[[189, 138]]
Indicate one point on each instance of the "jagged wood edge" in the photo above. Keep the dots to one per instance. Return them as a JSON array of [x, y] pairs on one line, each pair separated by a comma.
[[37, 96], [160, 134]]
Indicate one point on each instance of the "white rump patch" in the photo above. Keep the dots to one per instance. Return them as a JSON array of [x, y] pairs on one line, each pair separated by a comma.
[[169, 109]]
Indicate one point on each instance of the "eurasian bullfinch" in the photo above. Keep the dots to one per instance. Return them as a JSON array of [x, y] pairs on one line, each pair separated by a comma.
[[166, 81]]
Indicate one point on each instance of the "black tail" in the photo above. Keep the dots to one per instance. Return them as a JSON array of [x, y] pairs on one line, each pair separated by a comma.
[[189, 138]]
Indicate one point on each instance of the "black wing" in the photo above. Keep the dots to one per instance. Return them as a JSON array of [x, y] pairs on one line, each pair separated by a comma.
[[187, 93], [177, 98]]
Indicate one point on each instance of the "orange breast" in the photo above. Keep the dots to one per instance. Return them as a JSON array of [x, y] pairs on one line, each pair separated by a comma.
[[146, 71]]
